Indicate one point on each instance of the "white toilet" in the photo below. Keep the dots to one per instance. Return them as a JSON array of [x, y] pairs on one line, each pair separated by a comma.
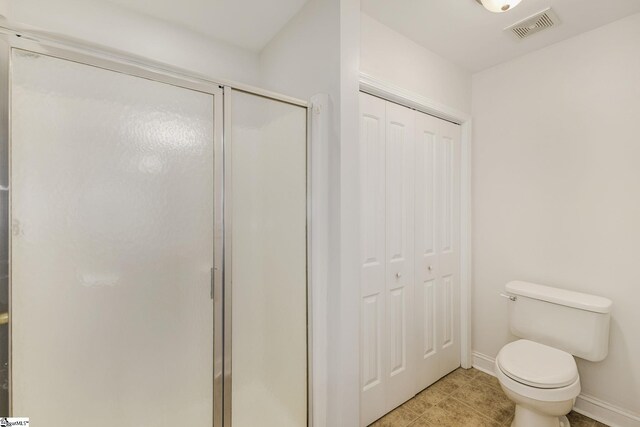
[[539, 372]]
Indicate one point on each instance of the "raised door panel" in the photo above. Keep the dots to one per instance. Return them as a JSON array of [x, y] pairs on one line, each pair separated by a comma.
[[372, 257], [399, 254]]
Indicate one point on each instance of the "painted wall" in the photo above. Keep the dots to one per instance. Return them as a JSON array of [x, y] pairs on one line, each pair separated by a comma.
[[395, 59], [318, 52], [556, 186], [117, 28], [303, 58], [348, 397]]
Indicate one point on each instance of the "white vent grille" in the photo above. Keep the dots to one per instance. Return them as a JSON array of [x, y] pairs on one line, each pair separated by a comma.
[[534, 24]]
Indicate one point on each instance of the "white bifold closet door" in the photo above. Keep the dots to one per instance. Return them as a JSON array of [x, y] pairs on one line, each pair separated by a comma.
[[409, 253], [112, 247]]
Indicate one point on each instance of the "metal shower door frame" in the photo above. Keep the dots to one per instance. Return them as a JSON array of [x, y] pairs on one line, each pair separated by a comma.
[[226, 283], [9, 41]]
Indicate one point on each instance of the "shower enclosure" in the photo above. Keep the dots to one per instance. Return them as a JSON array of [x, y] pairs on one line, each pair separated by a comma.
[[154, 245]]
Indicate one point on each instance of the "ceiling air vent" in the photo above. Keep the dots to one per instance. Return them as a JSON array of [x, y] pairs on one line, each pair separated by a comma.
[[534, 24]]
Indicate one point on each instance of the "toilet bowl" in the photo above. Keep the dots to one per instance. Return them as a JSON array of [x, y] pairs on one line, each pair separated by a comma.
[[542, 381]]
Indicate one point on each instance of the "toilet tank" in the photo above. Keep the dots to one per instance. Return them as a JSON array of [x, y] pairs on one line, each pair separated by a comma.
[[571, 321]]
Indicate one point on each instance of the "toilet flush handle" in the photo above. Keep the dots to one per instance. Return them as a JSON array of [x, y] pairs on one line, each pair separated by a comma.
[[509, 297]]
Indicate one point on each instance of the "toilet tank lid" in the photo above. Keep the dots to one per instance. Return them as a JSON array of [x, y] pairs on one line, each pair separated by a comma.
[[560, 296]]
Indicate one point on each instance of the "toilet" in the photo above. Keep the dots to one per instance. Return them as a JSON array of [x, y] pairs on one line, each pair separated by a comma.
[[538, 372]]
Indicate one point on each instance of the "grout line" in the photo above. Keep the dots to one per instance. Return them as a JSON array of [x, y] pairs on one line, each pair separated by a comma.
[[486, 417], [470, 379], [467, 372], [414, 419], [478, 381], [489, 383]]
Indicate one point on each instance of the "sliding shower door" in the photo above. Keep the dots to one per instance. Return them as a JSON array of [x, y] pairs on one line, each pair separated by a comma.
[[112, 204], [266, 273]]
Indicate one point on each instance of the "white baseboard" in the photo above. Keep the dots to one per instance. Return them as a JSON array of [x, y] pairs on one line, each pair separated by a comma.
[[484, 363], [590, 406], [605, 412]]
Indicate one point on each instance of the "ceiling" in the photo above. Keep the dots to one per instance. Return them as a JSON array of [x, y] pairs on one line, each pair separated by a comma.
[[465, 33], [249, 24]]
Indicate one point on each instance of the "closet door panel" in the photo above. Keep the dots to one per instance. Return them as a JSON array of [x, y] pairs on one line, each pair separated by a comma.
[[426, 251], [448, 244], [437, 224], [372, 250], [399, 253]]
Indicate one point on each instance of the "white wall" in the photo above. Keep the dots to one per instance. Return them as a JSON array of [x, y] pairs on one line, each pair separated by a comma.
[[347, 396], [395, 59], [318, 52], [303, 58], [556, 190], [112, 26]]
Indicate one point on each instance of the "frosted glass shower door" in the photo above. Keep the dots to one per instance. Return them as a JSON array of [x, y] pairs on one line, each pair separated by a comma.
[[268, 282], [112, 247]]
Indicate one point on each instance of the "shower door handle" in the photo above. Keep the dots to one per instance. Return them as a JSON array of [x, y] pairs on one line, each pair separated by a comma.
[[212, 281]]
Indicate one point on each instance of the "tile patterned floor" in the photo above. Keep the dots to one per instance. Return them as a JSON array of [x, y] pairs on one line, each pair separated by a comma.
[[464, 398]]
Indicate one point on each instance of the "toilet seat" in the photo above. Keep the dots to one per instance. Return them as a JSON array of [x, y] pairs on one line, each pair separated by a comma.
[[562, 394], [537, 365], [537, 371]]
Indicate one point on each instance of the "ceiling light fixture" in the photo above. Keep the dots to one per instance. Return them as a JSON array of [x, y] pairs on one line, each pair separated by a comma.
[[499, 6]]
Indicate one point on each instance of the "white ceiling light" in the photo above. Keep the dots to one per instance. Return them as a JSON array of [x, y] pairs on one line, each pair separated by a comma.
[[499, 6]]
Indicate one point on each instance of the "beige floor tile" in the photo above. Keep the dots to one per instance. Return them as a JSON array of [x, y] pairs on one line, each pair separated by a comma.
[[487, 379], [464, 398], [457, 378], [453, 413], [472, 372], [423, 401], [438, 391], [487, 400], [399, 417], [441, 389], [421, 422], [578, 420]]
